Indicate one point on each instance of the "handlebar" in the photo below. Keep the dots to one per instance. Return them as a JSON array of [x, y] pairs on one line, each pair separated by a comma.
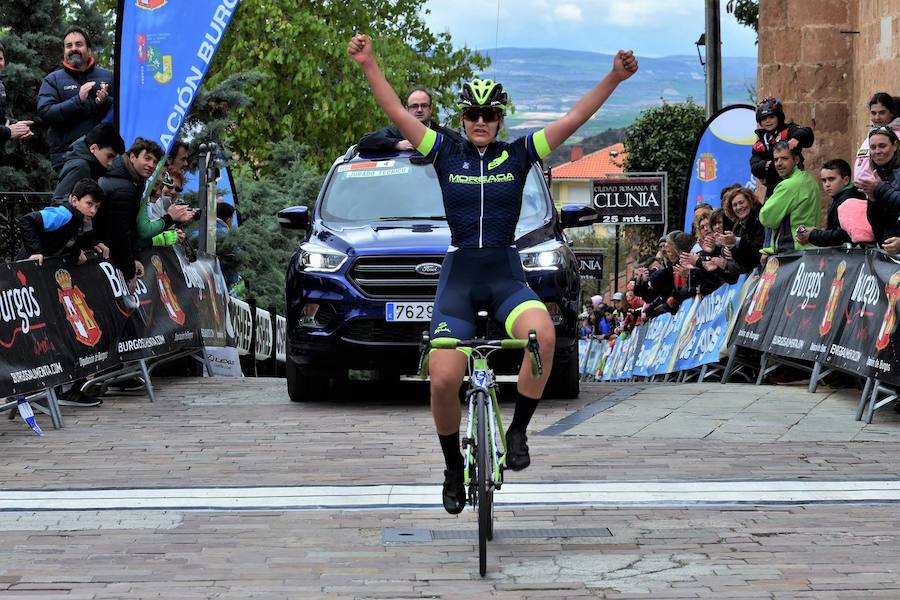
[[531, 344]]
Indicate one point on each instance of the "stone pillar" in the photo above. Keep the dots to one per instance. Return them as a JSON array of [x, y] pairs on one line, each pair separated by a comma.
[[806, 59]]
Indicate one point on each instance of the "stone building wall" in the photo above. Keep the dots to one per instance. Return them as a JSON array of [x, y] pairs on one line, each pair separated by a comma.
[[824, 59]]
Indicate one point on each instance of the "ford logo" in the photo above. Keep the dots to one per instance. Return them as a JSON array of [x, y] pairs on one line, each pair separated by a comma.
[[428, 268]]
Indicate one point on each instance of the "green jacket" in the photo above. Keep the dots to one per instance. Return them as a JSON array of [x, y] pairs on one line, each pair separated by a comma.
[[795, 201]]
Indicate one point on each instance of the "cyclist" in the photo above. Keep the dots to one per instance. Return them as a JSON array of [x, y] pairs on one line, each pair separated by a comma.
[[482, 181]]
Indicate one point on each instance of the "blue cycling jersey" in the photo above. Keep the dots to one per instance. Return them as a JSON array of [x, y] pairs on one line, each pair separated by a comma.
[[483, 192]]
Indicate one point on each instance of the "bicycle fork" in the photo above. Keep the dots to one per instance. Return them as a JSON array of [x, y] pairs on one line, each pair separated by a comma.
[[483, 383]]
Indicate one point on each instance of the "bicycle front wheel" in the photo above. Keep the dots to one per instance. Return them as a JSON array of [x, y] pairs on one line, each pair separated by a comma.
[[485, 489]]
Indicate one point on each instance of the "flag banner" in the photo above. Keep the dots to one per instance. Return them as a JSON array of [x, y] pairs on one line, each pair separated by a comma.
[[163, 50], [721, 158]]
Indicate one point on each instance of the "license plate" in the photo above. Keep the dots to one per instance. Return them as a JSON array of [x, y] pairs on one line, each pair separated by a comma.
[[408, 311]]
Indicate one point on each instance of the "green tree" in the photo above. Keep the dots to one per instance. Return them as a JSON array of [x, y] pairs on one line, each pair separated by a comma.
[[264, 249], [313, 92], [662, 139], [31, 31], [746, 12]]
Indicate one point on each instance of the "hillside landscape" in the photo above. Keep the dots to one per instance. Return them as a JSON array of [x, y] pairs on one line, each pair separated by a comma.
[[544, 83]]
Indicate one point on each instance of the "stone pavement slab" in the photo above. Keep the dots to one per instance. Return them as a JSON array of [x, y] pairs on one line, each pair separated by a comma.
[[222, 432]]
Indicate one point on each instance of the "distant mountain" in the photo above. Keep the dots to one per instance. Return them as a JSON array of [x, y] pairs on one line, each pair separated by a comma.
[[544, 83]]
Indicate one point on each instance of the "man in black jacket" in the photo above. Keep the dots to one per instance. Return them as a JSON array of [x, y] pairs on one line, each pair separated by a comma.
[[774, 129], [76, 97], [389, 140], [116, 221], [89, 157]]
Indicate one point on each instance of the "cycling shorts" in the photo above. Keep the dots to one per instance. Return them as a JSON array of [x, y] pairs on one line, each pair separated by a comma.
[[473, 279]]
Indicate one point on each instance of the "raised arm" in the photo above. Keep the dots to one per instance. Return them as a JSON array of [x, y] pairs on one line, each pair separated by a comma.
[[624, 66], [360, 50]]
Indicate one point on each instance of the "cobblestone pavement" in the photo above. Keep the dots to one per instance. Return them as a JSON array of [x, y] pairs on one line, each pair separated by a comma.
[[219, 432]]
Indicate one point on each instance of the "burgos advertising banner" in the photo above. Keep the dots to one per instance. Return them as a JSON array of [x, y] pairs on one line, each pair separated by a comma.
[[721, 158], [163, 49]]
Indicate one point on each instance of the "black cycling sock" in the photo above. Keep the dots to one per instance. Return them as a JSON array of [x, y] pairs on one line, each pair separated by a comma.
[[525, 407], [450, 447]]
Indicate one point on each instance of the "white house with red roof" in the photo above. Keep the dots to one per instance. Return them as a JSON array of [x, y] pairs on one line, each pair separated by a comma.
[[571, 182]]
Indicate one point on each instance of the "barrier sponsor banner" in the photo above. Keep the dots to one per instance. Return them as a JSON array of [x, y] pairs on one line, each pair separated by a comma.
[[281, 338], [672, 335], [33, 355], [705, 335], [650, 345], [163, 50], [241, 323], [263, 348], [764, 296], [60, 322]]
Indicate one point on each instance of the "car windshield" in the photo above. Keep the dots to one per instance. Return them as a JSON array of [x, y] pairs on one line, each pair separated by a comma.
[[397, 190]]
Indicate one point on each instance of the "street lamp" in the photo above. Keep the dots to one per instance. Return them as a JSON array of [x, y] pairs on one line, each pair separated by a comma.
[[698, 43]]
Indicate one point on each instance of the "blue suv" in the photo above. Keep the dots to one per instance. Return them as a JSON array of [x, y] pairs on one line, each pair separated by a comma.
[[360, 288]]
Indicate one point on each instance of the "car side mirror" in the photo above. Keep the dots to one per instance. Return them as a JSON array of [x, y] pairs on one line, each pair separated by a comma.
[[295, 217], [577, 215]]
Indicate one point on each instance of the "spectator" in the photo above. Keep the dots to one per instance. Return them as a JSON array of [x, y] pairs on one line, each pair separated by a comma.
[[119, 222], [9, 130], [89, 158], [63, 230], [847, 212], [75, 98], [178, 156], [774, 129], [166, 191], [885, 191], [794, 202], [883, 111], [389, 140], [746, 240], [224, 216]]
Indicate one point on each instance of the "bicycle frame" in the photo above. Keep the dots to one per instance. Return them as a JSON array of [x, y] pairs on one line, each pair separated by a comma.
[[481, 380]]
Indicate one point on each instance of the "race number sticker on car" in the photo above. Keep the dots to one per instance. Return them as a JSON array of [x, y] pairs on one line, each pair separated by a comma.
[[408, 311]]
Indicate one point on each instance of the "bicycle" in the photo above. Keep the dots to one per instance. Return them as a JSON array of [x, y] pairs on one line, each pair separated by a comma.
[[484, 428]]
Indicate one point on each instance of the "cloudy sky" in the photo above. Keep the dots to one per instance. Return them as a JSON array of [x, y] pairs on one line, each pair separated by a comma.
[[650, 27]]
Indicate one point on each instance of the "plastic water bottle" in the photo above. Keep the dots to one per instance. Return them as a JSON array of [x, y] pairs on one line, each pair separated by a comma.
[[28, 415]]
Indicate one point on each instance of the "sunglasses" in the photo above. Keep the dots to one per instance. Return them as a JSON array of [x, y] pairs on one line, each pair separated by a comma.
[[177, 190], [885, 130], [489, 114]]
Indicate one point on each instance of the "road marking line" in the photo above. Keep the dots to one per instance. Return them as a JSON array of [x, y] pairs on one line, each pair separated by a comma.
[[587, 493]]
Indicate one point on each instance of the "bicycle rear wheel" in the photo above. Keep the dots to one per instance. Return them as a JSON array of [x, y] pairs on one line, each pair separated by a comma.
[[483, 475]]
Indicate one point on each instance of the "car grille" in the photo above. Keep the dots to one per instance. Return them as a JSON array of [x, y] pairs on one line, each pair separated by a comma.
[[384, 332], [391, 332], [394, 277]]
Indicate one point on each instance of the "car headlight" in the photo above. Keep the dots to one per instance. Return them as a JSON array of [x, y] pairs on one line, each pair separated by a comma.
[[320, 259], [543, 257]]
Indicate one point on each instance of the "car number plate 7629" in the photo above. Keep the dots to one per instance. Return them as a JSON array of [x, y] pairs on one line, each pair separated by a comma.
[[408, 311]]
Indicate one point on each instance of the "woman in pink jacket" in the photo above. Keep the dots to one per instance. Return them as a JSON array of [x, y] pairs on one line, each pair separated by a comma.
[[883, 110]]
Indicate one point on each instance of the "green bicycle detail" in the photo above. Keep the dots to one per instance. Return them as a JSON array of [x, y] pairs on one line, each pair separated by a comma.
[[484, 446]]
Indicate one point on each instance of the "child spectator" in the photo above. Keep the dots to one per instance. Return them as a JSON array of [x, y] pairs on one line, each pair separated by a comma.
[[847, 221], [774, 129], [883, 111], [63, 230], [89, 157]]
